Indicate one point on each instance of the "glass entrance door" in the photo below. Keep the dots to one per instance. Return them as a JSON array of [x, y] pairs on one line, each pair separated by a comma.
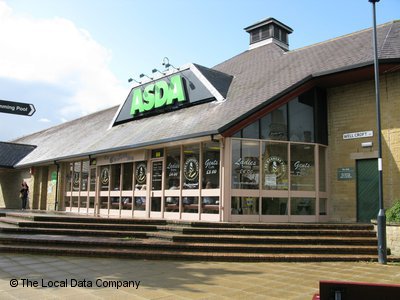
[[156, 187]]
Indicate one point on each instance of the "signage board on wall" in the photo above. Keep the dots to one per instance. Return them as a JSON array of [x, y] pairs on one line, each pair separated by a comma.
[[358, 135], [345, 174], [132, 156]]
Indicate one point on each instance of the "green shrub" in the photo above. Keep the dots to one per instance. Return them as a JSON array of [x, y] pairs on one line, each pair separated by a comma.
[[393, 213]]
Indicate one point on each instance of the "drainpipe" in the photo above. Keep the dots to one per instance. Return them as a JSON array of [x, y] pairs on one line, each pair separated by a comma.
[[56, 200]]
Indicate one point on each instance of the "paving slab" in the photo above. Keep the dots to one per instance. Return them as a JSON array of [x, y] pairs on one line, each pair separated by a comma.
[[175, 279]]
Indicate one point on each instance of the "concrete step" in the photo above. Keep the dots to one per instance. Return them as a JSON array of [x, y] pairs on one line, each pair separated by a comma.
[[75, 232], [63, 234], [280, 231], [82, 219], [311, 240], [334, 226], [184, 255], [135, 243]]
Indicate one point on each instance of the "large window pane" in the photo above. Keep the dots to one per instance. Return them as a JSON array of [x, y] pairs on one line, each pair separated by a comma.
[[323, 206], [274, 206], [155, 204], [274, 125], [76, 176], [191, 167], [301, 118], [140, 203], [127, 177], [275, 166], [156, 175], [104, 177], [190, 204], [245, 164], [171, 204], [302, 167], [69, 177], [244, 206], [252, 131], [93, 179], [302, 206], [104, 202], [322, 169], [85, 176], [210, 205], [67, 201], [126, 203], [116, 177], [173, 168], [91, 202], [74, 202], [211, 160]]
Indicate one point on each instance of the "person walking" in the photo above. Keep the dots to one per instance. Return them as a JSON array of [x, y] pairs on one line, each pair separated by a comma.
[[24, 192]]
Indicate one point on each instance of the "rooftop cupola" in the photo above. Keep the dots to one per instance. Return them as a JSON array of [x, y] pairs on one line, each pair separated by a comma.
[[269, 31]]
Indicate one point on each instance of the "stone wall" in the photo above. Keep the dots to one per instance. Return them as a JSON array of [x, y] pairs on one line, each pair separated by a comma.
[[351, 108], [10, 185], [392, 237]]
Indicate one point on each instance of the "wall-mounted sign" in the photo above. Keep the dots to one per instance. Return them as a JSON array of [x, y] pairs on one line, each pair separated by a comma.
[[345, 174], [54, 177], [191, 85], [358, 135], [132, 156]]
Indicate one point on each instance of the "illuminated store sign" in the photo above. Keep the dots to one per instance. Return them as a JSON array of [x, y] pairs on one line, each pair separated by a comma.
[[157, 95], [191, 85]]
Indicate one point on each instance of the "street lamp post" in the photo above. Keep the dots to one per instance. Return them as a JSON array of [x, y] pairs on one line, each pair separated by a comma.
[[382, 251]]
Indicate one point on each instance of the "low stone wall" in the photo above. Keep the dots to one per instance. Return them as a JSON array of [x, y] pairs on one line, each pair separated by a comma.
[[392, 237]]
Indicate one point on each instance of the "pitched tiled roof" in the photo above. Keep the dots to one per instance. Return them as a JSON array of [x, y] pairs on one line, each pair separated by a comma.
[[11, 153], [259, 76]]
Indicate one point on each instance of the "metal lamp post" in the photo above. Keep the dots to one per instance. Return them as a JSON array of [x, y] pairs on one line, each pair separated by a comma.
[[382, 251]]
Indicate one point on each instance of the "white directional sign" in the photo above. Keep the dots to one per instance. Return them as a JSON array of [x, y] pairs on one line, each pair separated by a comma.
[[17, 108]]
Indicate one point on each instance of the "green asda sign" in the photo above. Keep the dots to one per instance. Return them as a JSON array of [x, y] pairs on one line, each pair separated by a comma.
[[157, 95], [192, 85]]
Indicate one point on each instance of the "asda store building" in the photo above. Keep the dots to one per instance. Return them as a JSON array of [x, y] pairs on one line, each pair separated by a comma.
[[270, 135]]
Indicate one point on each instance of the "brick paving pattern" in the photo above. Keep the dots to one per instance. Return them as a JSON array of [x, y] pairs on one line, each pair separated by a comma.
[[178, 280]]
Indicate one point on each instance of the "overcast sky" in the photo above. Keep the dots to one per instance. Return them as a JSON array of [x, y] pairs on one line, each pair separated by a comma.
[[73, 57]]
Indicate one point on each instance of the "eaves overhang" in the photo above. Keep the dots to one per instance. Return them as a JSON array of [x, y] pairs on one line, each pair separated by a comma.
[[116, 149]]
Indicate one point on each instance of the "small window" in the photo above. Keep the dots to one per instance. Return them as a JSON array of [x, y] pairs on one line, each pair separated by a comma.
[[157, 153], [276, 32], [255, 36], [265, 32], [284, 37]]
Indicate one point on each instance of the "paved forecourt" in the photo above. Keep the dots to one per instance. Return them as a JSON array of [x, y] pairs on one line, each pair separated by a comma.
[[64, 277]]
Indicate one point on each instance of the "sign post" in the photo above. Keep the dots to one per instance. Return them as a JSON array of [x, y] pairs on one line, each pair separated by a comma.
[[17, 108]]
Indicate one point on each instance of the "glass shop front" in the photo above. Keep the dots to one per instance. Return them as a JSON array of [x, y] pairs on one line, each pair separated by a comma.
[[180, 182], [273, 170]]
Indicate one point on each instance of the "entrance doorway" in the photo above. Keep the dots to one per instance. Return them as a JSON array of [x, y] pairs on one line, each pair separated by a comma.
[[156, 185], [367, 190]]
